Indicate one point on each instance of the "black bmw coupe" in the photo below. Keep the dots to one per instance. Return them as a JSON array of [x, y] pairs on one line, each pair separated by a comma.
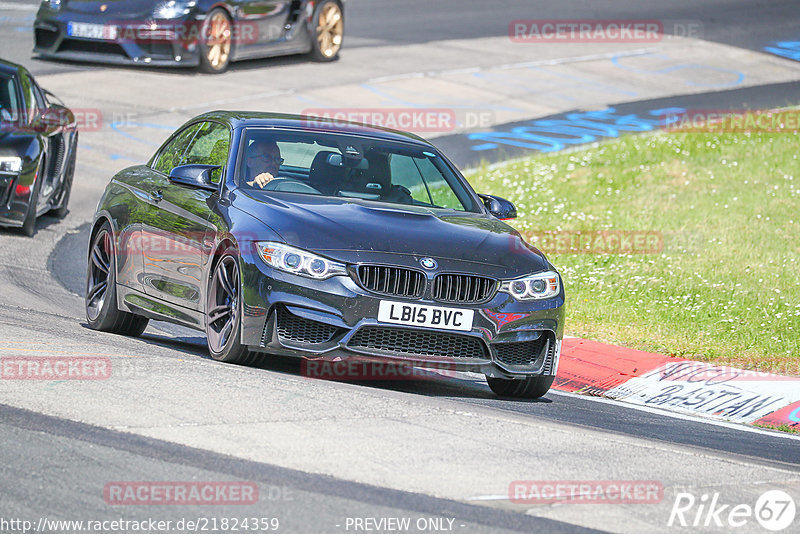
[[38, 143], [208, 34], [284, 235]]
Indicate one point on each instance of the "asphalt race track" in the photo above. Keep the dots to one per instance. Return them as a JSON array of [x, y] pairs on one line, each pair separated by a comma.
[[442, 452]]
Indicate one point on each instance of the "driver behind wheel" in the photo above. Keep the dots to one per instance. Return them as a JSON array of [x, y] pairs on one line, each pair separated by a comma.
[[263, 162]]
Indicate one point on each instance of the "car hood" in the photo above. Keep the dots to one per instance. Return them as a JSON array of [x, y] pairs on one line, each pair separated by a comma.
[[352, 231]]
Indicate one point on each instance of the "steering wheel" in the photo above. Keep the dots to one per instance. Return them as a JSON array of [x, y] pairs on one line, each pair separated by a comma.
[[290, 185]]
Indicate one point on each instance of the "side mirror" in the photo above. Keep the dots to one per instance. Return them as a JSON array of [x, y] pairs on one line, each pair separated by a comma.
[[196, 175], [499, 207], [53, 118]]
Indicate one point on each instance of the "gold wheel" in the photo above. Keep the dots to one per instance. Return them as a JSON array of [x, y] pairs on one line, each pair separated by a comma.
[[218, 40], [330, 30]]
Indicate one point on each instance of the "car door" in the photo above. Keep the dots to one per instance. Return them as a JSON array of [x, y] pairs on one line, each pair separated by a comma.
[[260, 22], [176, 232]]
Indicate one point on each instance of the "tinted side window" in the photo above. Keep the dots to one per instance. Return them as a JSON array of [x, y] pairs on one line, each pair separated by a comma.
[[210, 147], [9, 104], [38, 94], [31, 109], [171, 154]]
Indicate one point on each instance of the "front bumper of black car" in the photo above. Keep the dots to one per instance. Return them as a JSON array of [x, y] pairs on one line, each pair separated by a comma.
[[16, 190], [337, 319]]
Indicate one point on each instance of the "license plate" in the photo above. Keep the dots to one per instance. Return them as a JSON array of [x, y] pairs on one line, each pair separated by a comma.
[[92, 31], [428, 316]]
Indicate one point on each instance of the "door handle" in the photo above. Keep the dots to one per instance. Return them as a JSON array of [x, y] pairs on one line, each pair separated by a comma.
[[156, 195]]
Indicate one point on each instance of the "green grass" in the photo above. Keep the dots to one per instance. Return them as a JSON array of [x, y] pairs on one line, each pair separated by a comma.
[[783, 428], [726, 286]]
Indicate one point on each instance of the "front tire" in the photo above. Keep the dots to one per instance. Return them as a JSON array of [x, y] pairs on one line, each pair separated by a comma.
[[328, 23], [223, 316], [532, 387], [101, 289], [215, 46]]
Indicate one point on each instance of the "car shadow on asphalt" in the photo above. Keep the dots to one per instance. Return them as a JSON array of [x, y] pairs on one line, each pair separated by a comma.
[[430, 386], [244, 65], [449, 387], [46, 221], [42, 223], [426, 383], [194, 345]]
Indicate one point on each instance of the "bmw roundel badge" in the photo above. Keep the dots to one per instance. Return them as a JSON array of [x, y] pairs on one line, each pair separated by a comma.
[[428, 263]]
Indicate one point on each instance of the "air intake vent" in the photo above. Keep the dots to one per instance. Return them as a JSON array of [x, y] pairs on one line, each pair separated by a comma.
[[537, 354], [550, 358], [57, 146], [417, 343], [463, 288], [92, 47], [297, 329], [522, 353], [395, 281], [44, 38]]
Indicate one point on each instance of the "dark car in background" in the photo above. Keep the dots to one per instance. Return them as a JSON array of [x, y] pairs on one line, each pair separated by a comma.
[[208, 34], [38, 143], [360, 243]]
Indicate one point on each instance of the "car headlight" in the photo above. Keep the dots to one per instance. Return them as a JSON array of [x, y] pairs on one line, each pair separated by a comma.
[[10, 164], [533, 287], [172, 9], [55, 5], [296, 261]]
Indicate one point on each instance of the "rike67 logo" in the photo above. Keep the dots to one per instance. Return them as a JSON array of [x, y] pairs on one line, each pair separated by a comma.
[[774, 510]]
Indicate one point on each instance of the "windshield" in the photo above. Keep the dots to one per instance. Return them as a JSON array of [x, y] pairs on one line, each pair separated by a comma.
[[349, 167], [8, 99]]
